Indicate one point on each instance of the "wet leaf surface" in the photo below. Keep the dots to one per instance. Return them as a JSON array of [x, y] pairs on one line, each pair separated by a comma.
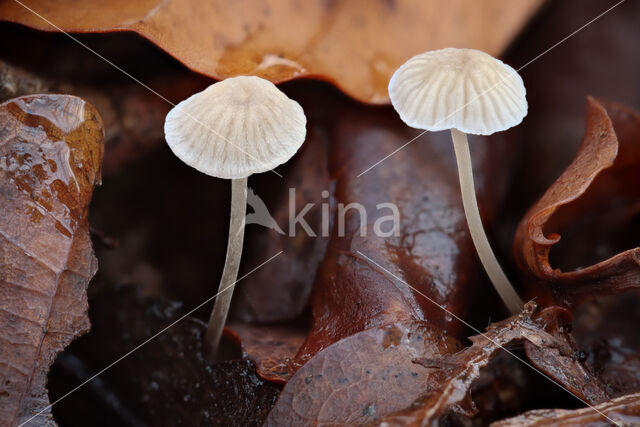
[[272, 348], [356, 45], [599, 189], [50, 158], [195, 390]]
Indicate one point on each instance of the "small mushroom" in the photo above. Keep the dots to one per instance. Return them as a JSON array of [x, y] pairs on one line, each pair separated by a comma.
[[233, 129], [466, 91]]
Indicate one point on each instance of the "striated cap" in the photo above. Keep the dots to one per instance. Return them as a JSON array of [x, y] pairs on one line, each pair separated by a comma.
[[465, 89], [235, 128]]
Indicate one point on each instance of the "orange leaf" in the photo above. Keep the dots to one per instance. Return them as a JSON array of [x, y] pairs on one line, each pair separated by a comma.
[[355, 44]]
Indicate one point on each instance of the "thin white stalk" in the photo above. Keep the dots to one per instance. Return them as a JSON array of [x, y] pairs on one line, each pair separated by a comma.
[[485, 253], [231, 267]]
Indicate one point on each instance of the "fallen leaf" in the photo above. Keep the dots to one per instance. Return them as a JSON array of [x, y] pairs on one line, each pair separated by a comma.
[[599, 179], [50, 158], [449, 382], [624, 410], [356, 45], [362, 377], [560, 358], [357, 306], [272, 348]]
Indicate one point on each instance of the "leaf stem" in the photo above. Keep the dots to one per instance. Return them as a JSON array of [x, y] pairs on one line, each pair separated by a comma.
[[231, 267], [465, 171]]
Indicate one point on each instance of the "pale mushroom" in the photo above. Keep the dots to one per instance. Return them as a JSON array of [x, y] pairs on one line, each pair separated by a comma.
[[233, 129], [466, 91]]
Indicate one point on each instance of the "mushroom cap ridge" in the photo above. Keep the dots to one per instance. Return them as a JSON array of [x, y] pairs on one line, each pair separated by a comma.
[[235, 128], [465, 89]]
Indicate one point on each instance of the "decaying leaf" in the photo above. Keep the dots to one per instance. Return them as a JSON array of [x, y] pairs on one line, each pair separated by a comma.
[[272, 348], [50, 158], [560, 358], [354, 44], [362, 377], [624, 410], [449, 381], [598, 191]]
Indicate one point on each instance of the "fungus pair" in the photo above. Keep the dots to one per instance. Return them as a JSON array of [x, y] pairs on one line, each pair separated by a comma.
[[231, 130], [466, 91], [245, 125]]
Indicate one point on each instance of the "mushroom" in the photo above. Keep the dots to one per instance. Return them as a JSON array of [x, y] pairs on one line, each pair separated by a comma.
[[233, 129], [466, 91]]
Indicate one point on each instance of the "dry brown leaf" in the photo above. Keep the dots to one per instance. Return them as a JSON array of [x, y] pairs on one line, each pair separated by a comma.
[[354, 44], [596, 176], [51, 150]]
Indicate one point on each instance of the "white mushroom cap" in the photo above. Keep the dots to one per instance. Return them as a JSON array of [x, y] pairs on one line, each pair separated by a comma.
[[465, 89], [235, 128]]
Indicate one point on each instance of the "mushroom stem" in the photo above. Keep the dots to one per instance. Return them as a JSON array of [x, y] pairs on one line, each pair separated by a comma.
[[488, 259], [231, 266]]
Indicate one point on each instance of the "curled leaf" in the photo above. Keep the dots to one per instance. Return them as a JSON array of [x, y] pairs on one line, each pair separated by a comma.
[[599, 177], [355, 44], [50, 158]]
